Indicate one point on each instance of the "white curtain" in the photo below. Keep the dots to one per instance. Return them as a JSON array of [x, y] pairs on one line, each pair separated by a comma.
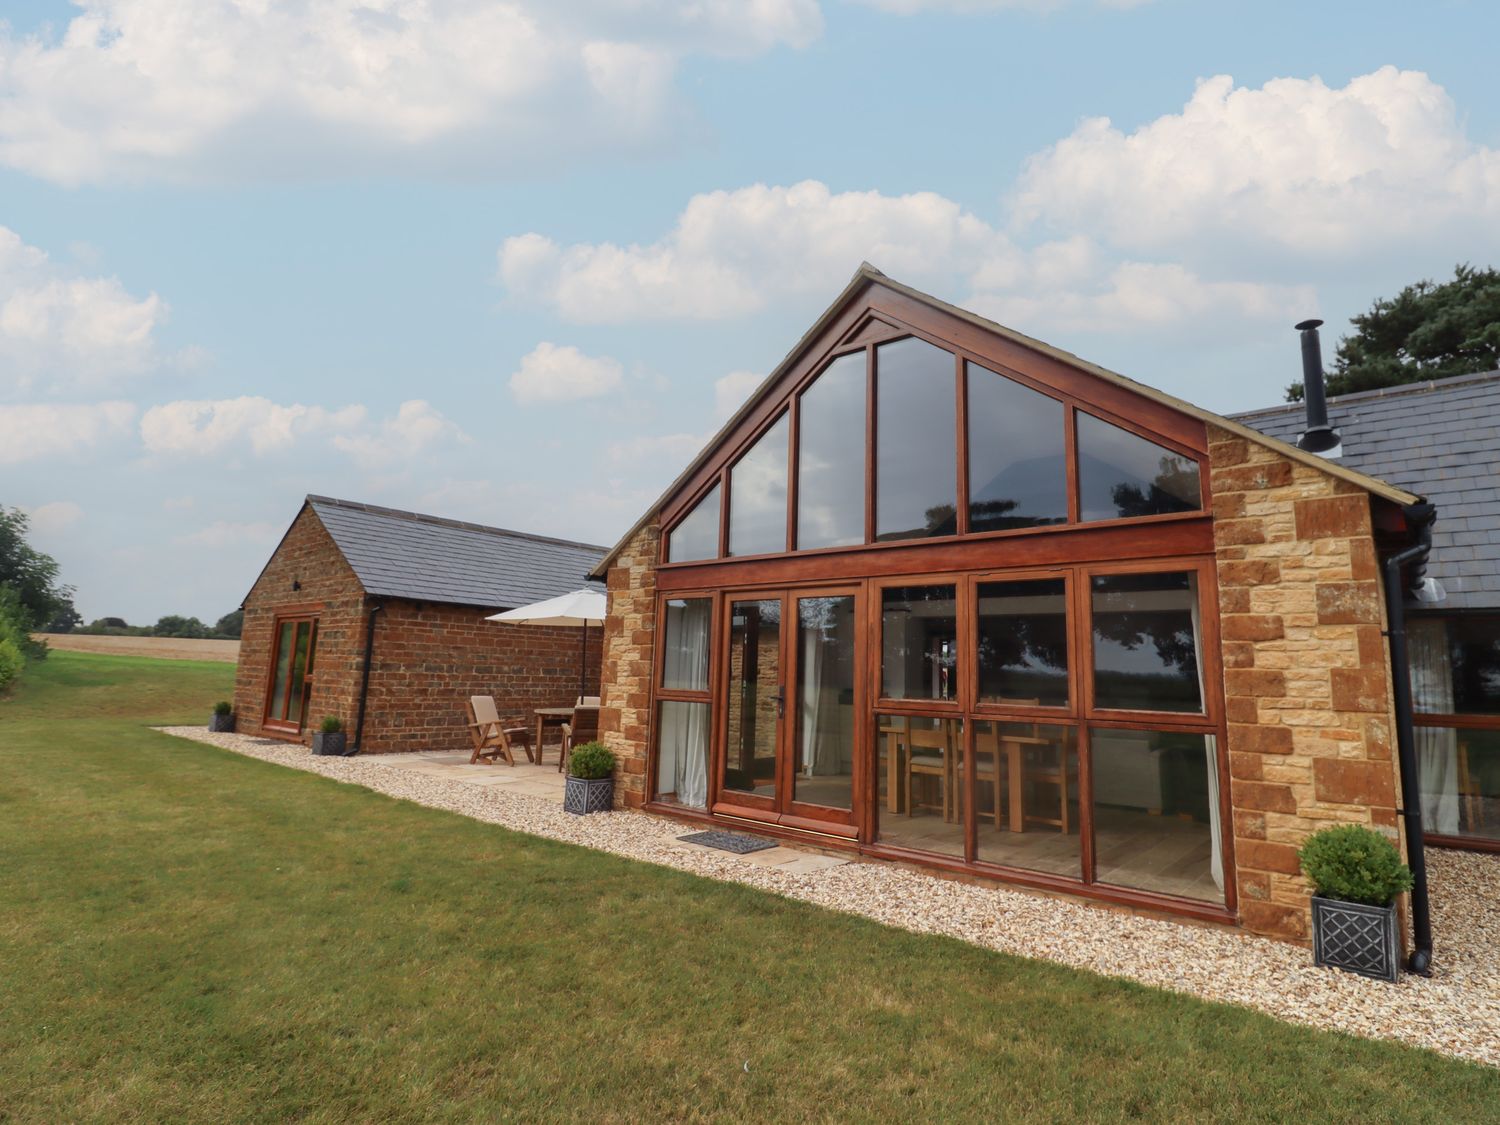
[[682, 745], [811, 675], [1437, 747], [1211, 749]]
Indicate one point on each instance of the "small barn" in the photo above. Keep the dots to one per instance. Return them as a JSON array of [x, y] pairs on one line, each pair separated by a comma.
[[377, 617]]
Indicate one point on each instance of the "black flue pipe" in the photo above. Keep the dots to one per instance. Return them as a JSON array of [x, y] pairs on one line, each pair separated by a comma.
[[1319, 437], [1421, 517]]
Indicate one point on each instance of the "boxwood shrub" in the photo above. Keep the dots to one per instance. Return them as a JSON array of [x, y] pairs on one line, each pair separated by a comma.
[[591, 761], [1353, 863]]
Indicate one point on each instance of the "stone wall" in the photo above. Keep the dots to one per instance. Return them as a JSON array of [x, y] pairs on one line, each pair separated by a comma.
[[1306, 669], [629, 649], [308, 557]]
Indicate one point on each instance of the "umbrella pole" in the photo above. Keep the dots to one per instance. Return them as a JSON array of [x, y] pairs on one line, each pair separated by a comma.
[[583, 662]]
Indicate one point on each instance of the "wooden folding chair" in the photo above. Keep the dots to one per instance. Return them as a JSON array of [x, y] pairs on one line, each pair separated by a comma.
[[583, 728], [492, 738]]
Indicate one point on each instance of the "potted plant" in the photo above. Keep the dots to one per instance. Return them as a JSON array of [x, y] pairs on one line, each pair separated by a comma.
[[331, 740], [1356, 875], [591, 783], [222, 720]]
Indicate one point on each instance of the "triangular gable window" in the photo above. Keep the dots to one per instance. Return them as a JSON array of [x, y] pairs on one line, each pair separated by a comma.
[[696, 536], [1122, 475]]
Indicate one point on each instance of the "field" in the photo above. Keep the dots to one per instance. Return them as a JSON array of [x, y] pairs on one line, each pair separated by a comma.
[[191, 935], [161, 648]]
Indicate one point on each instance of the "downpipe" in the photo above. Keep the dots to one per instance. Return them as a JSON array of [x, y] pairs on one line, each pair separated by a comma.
[[1421, 516], [364, 685]]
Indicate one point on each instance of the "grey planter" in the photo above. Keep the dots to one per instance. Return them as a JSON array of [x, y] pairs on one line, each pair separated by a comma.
[[588, 795], [1356, 938], [221, 724], [330, 745]]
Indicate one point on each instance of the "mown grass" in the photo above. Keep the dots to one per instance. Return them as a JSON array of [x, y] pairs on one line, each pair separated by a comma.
[[190, 935]]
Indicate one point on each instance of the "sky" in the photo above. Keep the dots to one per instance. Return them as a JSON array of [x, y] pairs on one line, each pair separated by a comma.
[[514, 263]]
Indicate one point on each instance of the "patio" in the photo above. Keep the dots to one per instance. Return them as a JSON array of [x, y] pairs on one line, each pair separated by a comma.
[[1456, 1012]]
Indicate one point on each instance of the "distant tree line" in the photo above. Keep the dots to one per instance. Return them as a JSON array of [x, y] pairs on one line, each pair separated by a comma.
[[227, 628]]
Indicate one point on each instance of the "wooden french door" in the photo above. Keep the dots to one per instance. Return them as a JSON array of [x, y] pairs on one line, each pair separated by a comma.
[[793, 707], [290, 683]]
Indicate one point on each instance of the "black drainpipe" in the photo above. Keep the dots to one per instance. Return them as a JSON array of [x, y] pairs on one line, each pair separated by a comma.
[[364, 686], [1421, 517]]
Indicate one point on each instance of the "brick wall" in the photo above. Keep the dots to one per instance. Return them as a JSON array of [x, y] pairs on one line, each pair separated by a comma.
[[629, 649], [430, 658], [1306, 670], [308, 556]]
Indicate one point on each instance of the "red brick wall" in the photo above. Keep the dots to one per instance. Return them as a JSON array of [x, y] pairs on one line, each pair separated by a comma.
[[430, 658], [307, 556]]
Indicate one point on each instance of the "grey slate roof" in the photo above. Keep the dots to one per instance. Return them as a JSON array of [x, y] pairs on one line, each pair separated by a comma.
[[1440, 439], [427, 558]]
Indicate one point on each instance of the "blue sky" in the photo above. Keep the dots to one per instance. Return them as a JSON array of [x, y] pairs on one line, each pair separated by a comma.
[[515, 263]]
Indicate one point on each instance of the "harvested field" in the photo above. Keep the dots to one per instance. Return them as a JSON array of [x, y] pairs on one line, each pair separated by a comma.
[[163, 648]]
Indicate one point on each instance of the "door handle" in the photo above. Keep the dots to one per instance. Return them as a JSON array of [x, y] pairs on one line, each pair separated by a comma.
[[781, 702]]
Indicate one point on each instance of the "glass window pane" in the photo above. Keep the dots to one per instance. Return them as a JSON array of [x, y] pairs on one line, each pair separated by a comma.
[[919, 643], [1474, 641], [1018, 467], [697, 535], [1026, 796], [1460, 781], [824, 765], [1023, 642], [916, 489], [1146, 642], [1156, 812], [682, 754], [685, 645], [283, 665], [757, 495], [919, 763], [1122, 475], [755, 677], [831, 457]]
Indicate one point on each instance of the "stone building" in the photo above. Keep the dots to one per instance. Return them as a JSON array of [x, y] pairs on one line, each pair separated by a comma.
[[412, 592], [941, 593]]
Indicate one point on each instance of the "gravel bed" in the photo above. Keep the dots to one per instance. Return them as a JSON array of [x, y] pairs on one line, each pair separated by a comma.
[[1456, 1012]]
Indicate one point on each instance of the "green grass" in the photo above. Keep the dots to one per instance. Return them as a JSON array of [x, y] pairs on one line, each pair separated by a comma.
[[189, 935]]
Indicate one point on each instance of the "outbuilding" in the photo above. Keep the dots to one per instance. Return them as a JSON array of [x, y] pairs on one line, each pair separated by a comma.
[[944, 594], [376, 617]]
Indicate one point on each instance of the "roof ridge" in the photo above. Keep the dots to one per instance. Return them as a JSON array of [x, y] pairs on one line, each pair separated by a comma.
[[444, 521], [1379, 392]]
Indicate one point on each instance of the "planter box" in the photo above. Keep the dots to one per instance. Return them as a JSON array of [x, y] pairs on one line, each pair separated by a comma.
[[221, 724], [588, 795], [1357, 938], [330, 745]]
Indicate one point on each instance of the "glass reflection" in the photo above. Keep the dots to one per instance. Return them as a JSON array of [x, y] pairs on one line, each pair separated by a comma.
[[1018, 473], [1146, 642], [919, 767], [1460, 771], [1026, 796], [1123, 475], [685, 645], [919, 642], [757, 495], [831, 457], [754, 712], [1023, 642], [697, 536], [916, 490], [824, 760]]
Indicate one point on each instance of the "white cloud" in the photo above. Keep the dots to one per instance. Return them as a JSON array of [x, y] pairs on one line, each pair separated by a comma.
[[37, 430], [971, 7], [1296, 164], [68, 330], [653, 451], [416, 427], [731, 391], [730, 249], [154, 89], [550, 373], [48, 519], [198, 427], [227, 533]]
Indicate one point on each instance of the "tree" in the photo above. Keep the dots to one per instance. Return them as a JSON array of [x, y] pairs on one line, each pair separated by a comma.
[[65, 620], [231, 624], [174, 625], [31, 574], [1427, 331]]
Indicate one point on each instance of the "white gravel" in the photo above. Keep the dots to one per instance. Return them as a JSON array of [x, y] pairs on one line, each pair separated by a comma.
[[1456, 1012]]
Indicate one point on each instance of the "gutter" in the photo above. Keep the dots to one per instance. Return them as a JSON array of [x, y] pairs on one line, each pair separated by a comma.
[[364, 686], [1421, 517]]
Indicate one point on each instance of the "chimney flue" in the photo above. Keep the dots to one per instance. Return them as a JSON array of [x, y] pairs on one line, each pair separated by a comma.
[[1319, 437]]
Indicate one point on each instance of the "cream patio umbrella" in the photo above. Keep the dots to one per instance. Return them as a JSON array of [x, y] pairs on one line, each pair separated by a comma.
[[577, 610]]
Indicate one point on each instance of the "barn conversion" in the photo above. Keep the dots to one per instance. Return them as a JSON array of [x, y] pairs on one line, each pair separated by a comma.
[[944, 594], [376, 617]]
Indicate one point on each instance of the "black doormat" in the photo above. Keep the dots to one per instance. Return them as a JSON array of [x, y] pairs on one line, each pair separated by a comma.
[[729, 842]]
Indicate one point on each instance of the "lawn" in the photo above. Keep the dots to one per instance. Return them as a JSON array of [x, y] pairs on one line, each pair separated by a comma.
[[190, 935]]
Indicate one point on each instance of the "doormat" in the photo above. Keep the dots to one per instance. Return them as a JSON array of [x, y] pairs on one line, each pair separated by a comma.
[[729, 842]]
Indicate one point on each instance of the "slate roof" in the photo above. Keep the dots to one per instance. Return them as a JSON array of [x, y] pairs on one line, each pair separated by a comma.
[[1440, 439], [430, 559]]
